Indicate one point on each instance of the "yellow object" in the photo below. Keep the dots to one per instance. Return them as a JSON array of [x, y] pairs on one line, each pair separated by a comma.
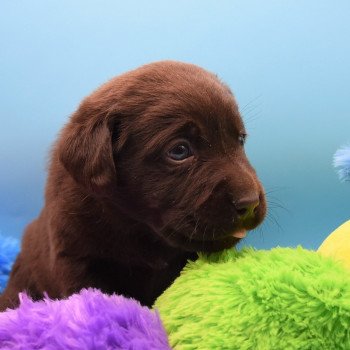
[[337, 244]]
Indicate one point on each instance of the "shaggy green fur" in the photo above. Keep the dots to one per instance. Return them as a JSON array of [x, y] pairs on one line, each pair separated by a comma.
[[277, 300]]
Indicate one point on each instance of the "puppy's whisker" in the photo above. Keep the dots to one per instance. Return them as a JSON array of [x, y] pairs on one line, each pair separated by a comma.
[[273, 202], [275, 189], [252, 118], [272, 218], [252, 108], [205, 139], [194, 230], [261, 232], [250, 102], [265, 227], [273, 205], [191, 235], [176, 227], [172, 233], [205, 230], [249, 112]]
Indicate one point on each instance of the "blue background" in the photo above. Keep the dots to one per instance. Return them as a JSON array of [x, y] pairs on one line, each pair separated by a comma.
[[287, 62]]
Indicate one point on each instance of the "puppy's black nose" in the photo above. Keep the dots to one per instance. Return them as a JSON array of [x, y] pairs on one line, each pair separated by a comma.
[[245, 207]]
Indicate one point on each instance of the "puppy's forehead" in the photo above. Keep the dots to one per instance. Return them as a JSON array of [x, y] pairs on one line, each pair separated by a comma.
[[185, 91], [163, 96]]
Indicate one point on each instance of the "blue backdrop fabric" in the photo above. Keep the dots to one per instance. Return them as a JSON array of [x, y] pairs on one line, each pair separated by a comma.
[[286, 61]]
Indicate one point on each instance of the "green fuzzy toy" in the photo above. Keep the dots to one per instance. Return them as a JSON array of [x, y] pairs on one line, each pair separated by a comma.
[[279, 299]]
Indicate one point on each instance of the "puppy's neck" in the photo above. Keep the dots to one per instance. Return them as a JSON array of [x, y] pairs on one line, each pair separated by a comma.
[[107, 231]]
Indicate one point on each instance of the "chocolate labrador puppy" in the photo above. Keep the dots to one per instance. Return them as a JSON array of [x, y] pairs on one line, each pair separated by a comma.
[[148, 171]]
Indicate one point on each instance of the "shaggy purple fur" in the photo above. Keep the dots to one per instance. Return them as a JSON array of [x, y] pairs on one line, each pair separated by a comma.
[[89, 320]]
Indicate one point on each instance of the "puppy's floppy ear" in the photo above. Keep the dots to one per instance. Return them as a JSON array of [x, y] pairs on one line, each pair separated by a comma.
[[85, 150]]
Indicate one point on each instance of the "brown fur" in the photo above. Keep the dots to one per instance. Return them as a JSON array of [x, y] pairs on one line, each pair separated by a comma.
[[122, 216]]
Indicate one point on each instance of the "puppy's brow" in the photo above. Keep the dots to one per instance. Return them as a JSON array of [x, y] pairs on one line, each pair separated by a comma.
[[163, 135]]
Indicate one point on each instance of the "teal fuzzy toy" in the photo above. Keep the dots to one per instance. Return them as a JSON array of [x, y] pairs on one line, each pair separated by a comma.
[[259, 300]]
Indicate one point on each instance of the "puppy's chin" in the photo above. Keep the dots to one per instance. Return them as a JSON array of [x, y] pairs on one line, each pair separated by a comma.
[[201, 244], [209, 246]]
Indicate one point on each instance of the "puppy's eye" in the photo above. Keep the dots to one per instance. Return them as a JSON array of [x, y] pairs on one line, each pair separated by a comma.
[[242, 138], [180, 152]]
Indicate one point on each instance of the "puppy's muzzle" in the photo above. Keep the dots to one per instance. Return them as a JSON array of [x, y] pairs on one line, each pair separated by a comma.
[[246, 207]]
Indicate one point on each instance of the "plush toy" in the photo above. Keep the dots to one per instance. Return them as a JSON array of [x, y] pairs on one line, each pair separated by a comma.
[[9, 248], [342, 162], [89, 320], [260, 300], [337, 245]]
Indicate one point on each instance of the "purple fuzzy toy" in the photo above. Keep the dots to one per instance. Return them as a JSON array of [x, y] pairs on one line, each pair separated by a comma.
[[89, 320]]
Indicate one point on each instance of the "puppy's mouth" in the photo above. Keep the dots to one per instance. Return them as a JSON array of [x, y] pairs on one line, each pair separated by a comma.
[[207, 242], [240, 234], [211, 245], [195, 235]]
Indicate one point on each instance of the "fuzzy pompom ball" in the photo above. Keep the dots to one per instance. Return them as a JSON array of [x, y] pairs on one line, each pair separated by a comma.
[[337, 245], [9, 248], [89, 320], [280, 299], [342, 162]]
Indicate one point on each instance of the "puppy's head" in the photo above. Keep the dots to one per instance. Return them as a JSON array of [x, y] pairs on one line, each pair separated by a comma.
[[166, 142]]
